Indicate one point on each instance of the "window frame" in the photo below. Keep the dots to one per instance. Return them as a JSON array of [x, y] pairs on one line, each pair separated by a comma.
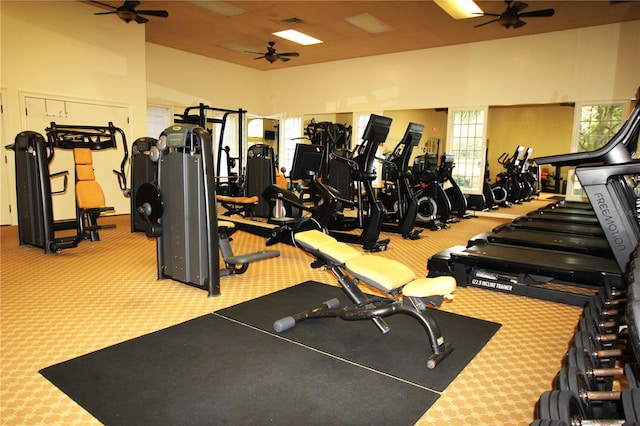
[[477, 161]]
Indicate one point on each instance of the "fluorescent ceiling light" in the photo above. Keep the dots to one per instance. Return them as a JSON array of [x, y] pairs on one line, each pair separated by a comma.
[[219, 7], [460, 9], [297, 37], [368, 23]]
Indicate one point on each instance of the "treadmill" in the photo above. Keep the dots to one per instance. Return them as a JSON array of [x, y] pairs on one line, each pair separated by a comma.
[[565, 209], [575, 243], [562, 276], [567, 217]]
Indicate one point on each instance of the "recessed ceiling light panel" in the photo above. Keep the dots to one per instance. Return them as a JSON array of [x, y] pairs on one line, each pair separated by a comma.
[[368, 23], [297, 37]]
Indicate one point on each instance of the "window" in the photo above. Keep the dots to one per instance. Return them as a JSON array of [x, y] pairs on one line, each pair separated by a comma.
[[291, 134], [598, 124], [362, 124], [158, 119], [254, 128], [595, 125], [466, 141]]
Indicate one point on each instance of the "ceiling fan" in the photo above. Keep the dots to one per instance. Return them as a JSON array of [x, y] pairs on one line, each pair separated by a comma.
[[511, 17], [127, 12], [271, 55]]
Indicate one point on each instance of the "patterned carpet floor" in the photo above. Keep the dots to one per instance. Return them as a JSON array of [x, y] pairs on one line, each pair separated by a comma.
[[56, 307]]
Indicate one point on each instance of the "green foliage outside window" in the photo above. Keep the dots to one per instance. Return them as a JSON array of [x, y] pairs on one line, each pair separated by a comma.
[[598, 124]]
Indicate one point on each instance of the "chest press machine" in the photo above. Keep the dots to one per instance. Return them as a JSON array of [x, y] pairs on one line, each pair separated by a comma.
[[407, 294]]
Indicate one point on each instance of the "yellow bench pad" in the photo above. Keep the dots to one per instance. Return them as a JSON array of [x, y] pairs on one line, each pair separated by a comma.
[[385, 274]]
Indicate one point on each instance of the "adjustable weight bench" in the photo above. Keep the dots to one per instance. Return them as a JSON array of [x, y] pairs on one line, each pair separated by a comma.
[[408, 294]]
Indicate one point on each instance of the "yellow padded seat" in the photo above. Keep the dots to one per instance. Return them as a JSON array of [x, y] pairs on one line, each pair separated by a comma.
[[82, 156], [313, 239], [380, 272], [226, 224], [339, 252], [85, 172], [89, 195], [238, 200], [281, 180], [425, 287]]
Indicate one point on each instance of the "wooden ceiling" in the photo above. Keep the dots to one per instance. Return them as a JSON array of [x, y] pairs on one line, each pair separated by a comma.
[[415, 25]]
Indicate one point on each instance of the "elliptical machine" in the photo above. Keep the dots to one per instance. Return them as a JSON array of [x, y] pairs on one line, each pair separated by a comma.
[[328, 204], [454, 193], [484, 201], [370, 210], [434, 206], [508, 188], [528, 178], [335, 140], [401, 204]]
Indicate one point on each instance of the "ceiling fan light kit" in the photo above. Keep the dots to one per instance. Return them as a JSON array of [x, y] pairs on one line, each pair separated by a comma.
[[127, 12], [272, 55], [511, 17]]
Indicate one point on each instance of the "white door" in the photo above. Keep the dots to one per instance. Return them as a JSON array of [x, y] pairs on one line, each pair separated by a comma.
[[41, 111], [7, 169]]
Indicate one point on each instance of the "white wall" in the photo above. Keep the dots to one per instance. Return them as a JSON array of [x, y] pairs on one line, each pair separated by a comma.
[[59, 48], [596, 63], [174, 77]]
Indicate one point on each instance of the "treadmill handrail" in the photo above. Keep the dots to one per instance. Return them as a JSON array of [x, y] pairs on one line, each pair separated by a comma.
[[619, 149]]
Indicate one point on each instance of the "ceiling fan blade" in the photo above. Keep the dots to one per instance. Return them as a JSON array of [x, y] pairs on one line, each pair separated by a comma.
[[486, 23], [160, 13], [105, 13], [131, 4], [284, 59], [103, 4], [289, 54], [537, 13], [497, 15], [141, 19], [259, 57], [518, 6], [519, 23]]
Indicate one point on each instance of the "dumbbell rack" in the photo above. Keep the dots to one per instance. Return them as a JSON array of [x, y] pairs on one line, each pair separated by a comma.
[[599, 383]]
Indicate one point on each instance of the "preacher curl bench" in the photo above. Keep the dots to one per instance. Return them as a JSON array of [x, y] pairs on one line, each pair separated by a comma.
[[407, 294]]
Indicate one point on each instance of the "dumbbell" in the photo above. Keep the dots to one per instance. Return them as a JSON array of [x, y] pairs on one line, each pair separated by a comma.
[[609, 293], [603, 337], [564, 406], [601, 302], [595, 345], [594, 402], [610, 313], [582, 360], [603, 325]]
